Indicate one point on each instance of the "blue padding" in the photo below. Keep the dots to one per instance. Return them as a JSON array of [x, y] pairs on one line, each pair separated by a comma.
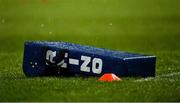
[[117, 62]]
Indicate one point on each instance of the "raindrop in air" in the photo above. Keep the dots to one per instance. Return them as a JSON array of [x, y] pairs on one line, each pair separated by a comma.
[[42, 25], [50, 32], [3, 21], [110, 24]]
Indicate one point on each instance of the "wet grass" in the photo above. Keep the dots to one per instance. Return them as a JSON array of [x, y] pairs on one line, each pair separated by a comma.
[[150, 27]]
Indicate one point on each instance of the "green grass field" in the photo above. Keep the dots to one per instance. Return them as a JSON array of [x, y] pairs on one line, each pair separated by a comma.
[[140, 26]]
